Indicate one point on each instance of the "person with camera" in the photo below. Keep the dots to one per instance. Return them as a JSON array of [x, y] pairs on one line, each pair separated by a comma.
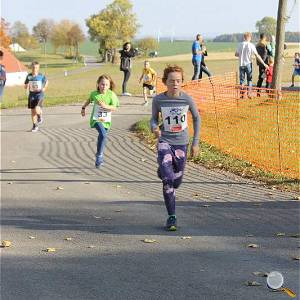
[[127, 53]]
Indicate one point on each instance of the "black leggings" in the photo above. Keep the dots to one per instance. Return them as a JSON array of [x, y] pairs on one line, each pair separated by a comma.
[[127, 74]]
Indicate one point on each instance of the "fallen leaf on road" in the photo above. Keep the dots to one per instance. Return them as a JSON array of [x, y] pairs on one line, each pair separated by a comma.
[[268, 194], [50, 250], [143, 159], [68, 239], [6, 244], [280, 234], [196, 195], [296, 258], [252, 246], [260, 274], [10, 182], [253, 283], [91, 246], [59, 188], [87, 182], [186, 237], [149, 241], [31, 237]]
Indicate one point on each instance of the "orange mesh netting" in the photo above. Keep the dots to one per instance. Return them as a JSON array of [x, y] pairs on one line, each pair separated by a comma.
[[259, 126]]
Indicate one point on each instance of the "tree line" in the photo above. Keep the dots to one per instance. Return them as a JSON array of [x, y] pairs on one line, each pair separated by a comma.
[[266, 25]]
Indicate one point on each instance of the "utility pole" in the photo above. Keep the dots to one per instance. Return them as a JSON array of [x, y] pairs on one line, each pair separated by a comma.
[[280, 34]]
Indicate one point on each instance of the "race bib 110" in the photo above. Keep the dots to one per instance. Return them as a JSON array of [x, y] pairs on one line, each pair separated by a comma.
[[101, 115], [175, 118]]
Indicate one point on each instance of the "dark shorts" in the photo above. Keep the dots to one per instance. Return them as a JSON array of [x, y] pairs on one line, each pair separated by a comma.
[[35, 100], [297, 72], [148, 86]]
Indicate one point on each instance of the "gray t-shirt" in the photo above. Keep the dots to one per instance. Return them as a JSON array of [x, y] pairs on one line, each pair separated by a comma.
[[174, 127]]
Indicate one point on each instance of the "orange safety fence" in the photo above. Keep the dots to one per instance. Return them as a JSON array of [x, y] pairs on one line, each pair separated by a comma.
[[261, 126]]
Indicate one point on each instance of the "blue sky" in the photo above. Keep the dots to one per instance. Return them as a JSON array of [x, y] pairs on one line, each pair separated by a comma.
[[169, 17]]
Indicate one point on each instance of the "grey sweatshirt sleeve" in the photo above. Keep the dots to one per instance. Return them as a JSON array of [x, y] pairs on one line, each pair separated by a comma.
[[196, 122], [155, 115]]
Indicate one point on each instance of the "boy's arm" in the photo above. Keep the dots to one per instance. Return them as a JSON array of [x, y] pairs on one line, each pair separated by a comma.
[[45, 86]]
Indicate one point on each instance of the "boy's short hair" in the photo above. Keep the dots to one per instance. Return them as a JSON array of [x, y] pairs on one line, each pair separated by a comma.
[[247, 35], [34, 63], [171, 69], [147, 61], [262, 36]]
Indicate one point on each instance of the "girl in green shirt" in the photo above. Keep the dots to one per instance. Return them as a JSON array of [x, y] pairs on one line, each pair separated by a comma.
[[105, 101]]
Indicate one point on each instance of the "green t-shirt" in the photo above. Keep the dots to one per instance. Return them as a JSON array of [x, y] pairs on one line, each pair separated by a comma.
[[99, 114]]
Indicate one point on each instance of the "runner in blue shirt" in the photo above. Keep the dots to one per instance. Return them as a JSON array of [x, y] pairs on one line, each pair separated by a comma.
[[36, 83], [197, 57], [2, 75]]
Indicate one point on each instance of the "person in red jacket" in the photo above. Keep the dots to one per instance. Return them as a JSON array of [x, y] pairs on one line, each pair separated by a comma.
[[269, 73]]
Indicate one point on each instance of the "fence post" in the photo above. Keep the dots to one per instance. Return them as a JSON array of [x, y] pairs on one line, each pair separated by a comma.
[[278, 134]]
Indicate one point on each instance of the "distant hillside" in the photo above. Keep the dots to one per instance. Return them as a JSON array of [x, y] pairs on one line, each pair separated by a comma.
[[290, 37]]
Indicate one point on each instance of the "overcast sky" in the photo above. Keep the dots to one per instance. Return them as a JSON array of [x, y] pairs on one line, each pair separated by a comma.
[[182, 18]]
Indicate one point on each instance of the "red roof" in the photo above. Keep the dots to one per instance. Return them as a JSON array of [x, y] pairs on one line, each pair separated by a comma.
[[11, 63]]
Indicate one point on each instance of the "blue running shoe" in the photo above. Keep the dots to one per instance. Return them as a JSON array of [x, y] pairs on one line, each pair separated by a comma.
[[171, 224], [99, 161]]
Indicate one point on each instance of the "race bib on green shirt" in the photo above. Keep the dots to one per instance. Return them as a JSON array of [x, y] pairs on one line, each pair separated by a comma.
[[175, 118], [101, 114]]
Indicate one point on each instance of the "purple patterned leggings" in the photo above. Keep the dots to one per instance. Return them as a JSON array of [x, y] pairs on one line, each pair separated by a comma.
[[171, 160]]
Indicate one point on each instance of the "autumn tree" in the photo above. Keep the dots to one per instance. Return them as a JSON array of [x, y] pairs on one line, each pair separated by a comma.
[[68, 35], [43, 29], [148, 44], [113, 26], [5, 40], [75, 37], [266, 25], [20, 34]]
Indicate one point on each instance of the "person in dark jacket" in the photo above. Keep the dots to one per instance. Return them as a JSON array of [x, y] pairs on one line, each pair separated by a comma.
[[203, 67], [264, 52], [127, 53]]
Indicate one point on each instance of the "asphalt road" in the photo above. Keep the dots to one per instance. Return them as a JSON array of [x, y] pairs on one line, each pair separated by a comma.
[[51, 191]]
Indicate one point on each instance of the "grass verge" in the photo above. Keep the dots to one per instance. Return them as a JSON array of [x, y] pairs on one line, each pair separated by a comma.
[[211, 158]]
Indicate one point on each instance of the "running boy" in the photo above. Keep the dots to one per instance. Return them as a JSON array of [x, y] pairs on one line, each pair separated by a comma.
[[149, 79], [37, 85], [105, 101], [172, 135], [297, 68]]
